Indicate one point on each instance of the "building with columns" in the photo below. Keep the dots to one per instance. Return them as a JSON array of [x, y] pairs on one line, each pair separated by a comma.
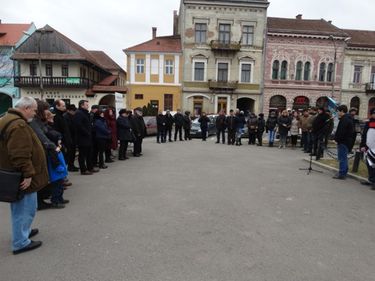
[[303, 63], [358, 81], [50, 66], [223, 45], [155, 73]]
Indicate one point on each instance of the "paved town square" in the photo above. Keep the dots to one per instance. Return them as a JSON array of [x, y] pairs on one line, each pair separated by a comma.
[[200, 211]]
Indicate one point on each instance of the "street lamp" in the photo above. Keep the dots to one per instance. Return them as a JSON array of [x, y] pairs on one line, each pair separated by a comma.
[[41, 31]]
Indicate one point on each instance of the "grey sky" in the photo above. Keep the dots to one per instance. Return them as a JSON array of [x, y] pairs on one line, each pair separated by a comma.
[[113, 25]]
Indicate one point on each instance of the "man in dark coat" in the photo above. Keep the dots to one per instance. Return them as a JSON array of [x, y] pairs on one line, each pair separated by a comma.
[[220, 127], [161, 123], [343, 138], [271, 125], [139, 130], [179, 122], [71, 151], [84, 129], [169, 125], [368, 146], [21, 150], [261, 128], [320, 125], [231, 122], [124, 133], [204, 122]]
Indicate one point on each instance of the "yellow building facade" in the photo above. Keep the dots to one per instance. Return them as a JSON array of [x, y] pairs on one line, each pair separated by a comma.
[[155, 73]]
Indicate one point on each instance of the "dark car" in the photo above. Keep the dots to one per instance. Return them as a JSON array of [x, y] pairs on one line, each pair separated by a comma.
[[196, 131]]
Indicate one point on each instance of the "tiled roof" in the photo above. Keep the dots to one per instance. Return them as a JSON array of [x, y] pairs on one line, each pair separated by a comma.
[[361, 38], [303, 26], [105, 61], [11, 33], [162, 44]]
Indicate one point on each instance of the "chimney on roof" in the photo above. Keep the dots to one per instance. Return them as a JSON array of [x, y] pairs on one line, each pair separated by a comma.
[[154, 29], [330, 22], [175, 23], [299, 17]]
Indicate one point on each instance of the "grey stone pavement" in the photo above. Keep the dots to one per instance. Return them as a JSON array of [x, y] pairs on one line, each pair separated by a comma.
[[199, 211]]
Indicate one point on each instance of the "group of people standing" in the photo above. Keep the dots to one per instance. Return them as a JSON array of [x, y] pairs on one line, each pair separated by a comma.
[[165, 124]]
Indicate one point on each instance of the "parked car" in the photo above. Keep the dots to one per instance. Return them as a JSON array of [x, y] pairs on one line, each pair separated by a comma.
[[196, 132], [151, 127]]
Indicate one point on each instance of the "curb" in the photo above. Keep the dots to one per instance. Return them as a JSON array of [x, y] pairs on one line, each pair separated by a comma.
[[327, 167]]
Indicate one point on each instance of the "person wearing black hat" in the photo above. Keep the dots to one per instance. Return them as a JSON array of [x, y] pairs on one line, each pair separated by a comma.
[[368, 147], [343, 138], [179, 122], [261, 127], [124, 133], [139, 130], [71, 151], [319, 128]]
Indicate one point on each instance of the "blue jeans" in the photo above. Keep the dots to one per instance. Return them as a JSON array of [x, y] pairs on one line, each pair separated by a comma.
[[22, 216], [305, 140], [271, 136], [342, 156]]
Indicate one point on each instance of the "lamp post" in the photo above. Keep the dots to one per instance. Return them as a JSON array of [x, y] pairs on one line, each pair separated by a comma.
[[334, 66]]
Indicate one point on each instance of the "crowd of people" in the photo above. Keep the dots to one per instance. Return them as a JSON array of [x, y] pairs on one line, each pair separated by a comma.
[[41, 142]]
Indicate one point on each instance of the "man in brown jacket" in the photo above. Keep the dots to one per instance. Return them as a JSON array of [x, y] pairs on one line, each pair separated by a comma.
[[22, 151]]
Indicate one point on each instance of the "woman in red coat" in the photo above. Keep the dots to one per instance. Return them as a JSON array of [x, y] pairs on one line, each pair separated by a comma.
[[110, 117]]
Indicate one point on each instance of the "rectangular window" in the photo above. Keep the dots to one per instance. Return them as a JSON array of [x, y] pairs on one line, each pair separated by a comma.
[[33, 69], [140, 66], [82, 72], [154, 66], [138, 96], [372, 74], [169, 67], [199, 71], [49, 70], [222, 72], [224, 33], [357, 74], [168, 102], [247, 35], [245, 72], [64, 70], [200, 33]]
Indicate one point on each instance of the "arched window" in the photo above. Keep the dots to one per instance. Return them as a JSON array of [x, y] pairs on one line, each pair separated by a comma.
[[284, 70], [306, 73], [355, 103], [278, 102], [275, 69], [330, 72], [322, 72], [299, 70]]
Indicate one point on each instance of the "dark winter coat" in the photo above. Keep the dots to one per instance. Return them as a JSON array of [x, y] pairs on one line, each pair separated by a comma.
[[22, 151], [204, 121], [138, 126], [178, 119], [221, 122], [261, 124], [41, 131], [271, 123], [83, 127], [111, 122], [124, 132], [344, 131], [187, 122], [320, 124], [69, 120], [169, 121], [252, 123], [231, 122], [101, 128], [284, 123], [241, 121], [61, 125], [161, 122]]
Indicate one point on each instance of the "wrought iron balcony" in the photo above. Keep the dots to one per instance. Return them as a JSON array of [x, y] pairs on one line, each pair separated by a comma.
[[222, 85], [370, 88], [218, 45], [50, 82]]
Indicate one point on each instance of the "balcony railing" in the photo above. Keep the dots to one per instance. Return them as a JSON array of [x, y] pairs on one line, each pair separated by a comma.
[[217, 45], [370, 88], [223, 85], [49, 82]]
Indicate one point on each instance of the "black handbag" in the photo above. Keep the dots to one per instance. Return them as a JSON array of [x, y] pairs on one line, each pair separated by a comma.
[[10, 180], [10, 186]]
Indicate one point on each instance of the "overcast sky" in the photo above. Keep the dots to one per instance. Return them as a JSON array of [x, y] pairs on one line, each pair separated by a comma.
[[113, 25]]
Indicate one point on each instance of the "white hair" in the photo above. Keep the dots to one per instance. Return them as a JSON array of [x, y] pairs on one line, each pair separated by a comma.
[[25, 102]]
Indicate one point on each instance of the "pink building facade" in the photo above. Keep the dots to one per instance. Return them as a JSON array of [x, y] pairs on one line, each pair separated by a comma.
[[303, 63]]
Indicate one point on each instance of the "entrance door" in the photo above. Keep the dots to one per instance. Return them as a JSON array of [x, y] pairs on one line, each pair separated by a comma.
[[222, 104], [5, 103], [197, 105]]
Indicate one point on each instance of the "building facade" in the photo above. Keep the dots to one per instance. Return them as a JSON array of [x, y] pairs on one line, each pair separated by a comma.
[[11, 36], [304, 63], [358, 88], [50, 66], [223, 44], [155, 73]]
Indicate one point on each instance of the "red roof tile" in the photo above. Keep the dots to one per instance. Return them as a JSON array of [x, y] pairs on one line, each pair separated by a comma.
[[10, 33], [361, 38], [303, 26], [105, 61], [163, 44]]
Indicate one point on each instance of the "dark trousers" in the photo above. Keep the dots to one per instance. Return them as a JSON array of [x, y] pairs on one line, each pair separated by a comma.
[[137, 145], [71, 155], [178, 130], [57, 191], [204, 133], [294, 139], [305, 141], [94, 152], [318, 145], [85, 158], [252, 137], [123, 149], [187, 134], [168, 132], [231, 136], [222, 133], [371, 173], [102, 149], [161, 136], [310, 141], [260, 137]]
